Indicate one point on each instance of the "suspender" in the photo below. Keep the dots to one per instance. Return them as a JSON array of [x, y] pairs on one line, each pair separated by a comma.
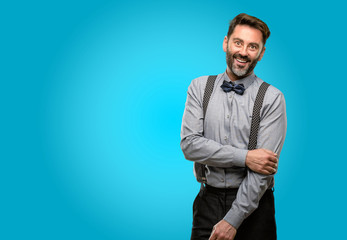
[[253, 136], [200, 168]]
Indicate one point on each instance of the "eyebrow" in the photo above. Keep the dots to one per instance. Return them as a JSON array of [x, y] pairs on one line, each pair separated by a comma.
[[239, 39], [252, 43]]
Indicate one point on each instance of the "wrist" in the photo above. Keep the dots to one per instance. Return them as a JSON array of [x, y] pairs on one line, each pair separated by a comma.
[[247, 160]]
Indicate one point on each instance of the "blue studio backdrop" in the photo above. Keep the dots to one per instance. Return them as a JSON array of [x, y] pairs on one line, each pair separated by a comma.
[[92, 97]]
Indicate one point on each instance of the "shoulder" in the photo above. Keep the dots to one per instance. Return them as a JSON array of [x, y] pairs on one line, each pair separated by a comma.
[[201, 81], [274, 97], [198, 84], [272, 92], [273, 100]]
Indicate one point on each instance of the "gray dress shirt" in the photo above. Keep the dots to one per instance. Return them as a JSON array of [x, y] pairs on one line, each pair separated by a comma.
[[220, 141]]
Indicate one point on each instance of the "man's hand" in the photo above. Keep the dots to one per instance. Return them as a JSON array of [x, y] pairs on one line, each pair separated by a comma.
[[223, 231], [262, 161]]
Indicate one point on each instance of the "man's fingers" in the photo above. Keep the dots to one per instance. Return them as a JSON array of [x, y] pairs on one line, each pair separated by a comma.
[[273, 159], [213, 236], [268, 170], [272, 165], [262, 161], [272, 171], [268, 151]]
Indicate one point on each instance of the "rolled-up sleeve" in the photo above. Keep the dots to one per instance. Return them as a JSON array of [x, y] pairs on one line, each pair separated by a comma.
[[194, 145], [272, 131]]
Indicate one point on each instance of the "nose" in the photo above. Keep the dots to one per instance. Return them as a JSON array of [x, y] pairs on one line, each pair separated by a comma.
[[243, 51]]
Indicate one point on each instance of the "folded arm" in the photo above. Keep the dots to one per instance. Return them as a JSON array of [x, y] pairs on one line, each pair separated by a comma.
[[195, 146]]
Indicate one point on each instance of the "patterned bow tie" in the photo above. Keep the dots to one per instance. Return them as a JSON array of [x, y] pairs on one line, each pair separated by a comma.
[[230, 86]]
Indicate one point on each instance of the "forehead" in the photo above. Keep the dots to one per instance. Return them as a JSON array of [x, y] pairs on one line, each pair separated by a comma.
[[247, 34]]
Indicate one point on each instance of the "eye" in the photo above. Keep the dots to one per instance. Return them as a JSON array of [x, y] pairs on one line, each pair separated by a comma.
[[238, 43], [253, 47]]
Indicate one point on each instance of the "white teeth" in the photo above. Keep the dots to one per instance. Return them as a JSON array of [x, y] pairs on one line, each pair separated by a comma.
[[241, 61]]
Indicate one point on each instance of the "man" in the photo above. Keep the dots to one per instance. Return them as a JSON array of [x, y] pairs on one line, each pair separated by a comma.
[[236, 200]]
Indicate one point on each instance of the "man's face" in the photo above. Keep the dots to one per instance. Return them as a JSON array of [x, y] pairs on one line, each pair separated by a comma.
[[244, 48]]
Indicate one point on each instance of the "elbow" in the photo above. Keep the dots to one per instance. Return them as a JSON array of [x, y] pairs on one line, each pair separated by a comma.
[[186, 147]]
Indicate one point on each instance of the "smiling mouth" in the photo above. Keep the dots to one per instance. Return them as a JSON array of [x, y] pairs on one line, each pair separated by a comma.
[[240, 60]]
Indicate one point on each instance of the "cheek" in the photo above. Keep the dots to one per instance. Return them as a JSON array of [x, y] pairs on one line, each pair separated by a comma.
[[255, 55], [231, 50]]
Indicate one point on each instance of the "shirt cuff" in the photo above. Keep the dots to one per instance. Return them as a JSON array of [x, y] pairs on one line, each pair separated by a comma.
[[240, 157], [234, 218]]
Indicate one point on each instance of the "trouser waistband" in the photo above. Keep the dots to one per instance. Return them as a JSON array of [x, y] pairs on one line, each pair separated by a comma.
[[225, 190], [219, 190]]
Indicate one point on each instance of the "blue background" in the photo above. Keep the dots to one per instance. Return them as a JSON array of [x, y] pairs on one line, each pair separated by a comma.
[[92, 96]]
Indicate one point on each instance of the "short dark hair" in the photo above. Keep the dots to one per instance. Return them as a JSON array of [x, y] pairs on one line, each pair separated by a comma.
[[245, 19]]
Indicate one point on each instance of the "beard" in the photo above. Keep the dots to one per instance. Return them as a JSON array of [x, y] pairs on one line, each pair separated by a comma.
[[239, 70]]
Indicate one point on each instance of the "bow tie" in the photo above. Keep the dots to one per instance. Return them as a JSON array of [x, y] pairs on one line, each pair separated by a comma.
[[230, 86]]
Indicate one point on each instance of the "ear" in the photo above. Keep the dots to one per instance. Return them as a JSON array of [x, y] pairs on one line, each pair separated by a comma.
[[225, 44], [262, 53]]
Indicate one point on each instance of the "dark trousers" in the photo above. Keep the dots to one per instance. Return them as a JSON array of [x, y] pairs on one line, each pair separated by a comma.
[[211, 205]]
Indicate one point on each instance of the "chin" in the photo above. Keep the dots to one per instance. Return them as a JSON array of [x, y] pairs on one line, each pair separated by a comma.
[[239, 73]]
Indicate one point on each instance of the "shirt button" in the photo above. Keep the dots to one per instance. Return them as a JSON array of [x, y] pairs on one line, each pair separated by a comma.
[[225, 138], [222, 180], [228, 116]]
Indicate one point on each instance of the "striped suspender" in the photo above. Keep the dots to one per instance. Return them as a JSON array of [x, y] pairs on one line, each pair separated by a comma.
[[200, 168], [253, 136]]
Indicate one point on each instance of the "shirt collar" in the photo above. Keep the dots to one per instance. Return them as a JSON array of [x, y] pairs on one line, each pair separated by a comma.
[[247, 81]]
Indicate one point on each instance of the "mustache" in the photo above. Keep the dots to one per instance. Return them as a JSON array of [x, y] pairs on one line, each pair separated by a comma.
[[244, 58]]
